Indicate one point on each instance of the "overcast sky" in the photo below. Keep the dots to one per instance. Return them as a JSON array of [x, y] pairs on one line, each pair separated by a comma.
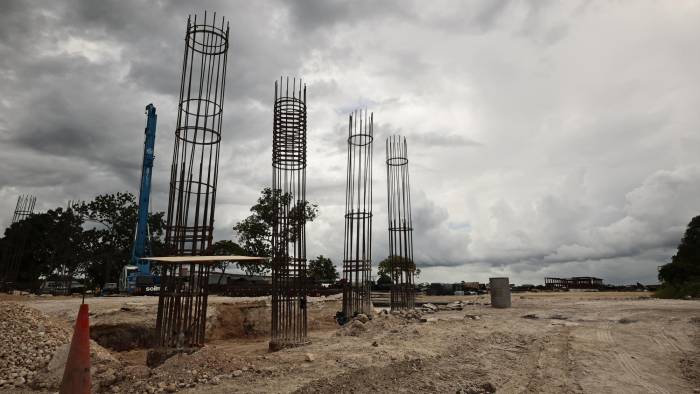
[[544, 138]]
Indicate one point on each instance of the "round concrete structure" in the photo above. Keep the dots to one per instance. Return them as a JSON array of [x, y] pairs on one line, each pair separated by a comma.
[[500, 292]]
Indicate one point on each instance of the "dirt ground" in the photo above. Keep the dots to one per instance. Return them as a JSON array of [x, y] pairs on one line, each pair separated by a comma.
[[545, 343]]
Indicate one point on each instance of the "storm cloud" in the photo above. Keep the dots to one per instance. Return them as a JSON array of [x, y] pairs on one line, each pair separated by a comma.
[[544, 138]]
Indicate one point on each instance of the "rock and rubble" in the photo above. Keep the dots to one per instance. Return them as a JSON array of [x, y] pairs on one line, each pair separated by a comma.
[[27, 343], [34, 349]]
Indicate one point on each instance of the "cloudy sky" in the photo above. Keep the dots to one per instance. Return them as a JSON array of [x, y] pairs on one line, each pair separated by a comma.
[[545, 138]]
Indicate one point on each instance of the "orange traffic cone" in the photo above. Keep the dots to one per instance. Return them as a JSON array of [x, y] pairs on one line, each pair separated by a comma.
[[76, 376]]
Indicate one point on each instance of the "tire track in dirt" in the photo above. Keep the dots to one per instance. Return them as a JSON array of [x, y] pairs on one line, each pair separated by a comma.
[[690, 360], [521, 381], [448, 372], [628, 363], [605, 336], [668, 342], [554, 365]]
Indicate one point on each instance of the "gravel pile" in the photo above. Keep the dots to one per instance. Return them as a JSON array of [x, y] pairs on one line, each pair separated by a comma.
[[34, 349], [27, 343]]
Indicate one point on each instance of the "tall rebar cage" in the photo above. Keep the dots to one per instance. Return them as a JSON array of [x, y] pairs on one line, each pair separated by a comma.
[[357, 249], [189, 229], [194, 172], [182, 305], [400, 224], [12, 256], [289, 282]]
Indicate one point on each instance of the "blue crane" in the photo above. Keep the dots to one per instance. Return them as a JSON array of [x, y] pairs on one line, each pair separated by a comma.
[[139, 273]]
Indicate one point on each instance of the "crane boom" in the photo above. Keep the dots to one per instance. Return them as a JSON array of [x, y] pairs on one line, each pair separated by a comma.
[[142, 241]]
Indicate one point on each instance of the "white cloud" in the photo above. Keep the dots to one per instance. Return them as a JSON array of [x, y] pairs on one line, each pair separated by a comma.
[[544, 138]]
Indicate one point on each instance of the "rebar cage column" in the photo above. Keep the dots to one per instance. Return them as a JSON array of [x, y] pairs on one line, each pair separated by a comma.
[[193, 179], [289, 282], [357, 250], [194, 171], [400, 224]]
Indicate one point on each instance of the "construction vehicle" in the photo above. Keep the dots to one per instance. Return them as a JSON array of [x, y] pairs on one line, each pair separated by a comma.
[[141, 280]]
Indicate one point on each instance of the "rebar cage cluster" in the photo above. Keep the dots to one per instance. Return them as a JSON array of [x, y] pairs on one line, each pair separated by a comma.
[[193, 179], [9, 267], [289, 283], [357, 249], [400, 225]]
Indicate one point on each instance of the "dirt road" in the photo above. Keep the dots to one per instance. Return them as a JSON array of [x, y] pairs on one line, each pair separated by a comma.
[[545, 343], [586, 343]]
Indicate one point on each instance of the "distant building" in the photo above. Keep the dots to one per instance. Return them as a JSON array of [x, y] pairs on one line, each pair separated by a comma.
[[576, 282]]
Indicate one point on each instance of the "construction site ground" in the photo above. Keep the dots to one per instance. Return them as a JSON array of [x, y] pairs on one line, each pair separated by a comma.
[[567, 342]]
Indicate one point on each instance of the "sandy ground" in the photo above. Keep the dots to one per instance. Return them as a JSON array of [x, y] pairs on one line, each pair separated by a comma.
[[545, 343]]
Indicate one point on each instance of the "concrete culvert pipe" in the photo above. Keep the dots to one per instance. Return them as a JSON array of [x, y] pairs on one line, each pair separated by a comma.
[[500, 292]]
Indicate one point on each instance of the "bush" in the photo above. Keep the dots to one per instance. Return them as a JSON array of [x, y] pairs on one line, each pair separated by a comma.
[[679, 291]]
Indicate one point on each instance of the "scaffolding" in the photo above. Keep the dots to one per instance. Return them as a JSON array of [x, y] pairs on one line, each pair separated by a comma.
[[289, 282], [400, 225], [357, 249]]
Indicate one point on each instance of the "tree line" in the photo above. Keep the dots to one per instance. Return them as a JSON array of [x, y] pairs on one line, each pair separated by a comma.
[[93, 240], [86, 239], [681, 276]]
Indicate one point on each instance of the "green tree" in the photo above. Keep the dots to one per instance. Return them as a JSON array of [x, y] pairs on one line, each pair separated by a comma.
[[111, 234], [384, 279], [94, 238], [254, 233], [226, 247], [681, 276], [46, 244], [322, 270], [384, 268]]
